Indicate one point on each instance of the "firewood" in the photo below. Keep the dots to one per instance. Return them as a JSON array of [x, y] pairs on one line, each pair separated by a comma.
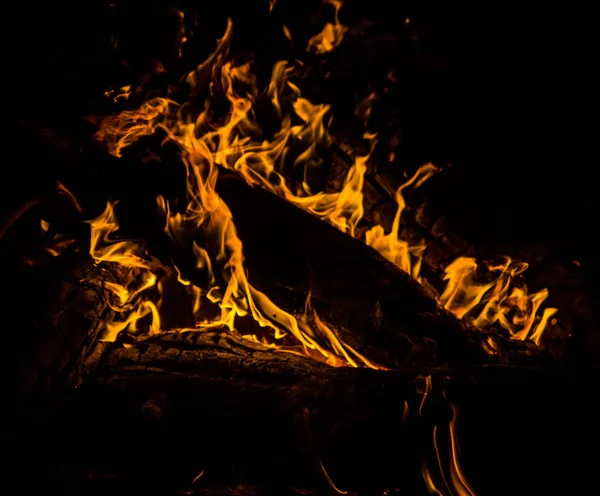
[[374, 305], [167, 408], [54, 361]]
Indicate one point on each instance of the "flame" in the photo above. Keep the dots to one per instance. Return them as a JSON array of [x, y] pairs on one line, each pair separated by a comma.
[[286, 32], [331, 35], [398, 251], [208, 216], [237, 141], [363, 110], [449, 466], [457, 476], [448, 473], [497, 301], [126, 254]]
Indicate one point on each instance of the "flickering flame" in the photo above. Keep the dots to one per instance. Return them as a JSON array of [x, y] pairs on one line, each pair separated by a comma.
[[448, 474], [449, 466], [129, 302], [400, 252], [237, 142], [208, 215], [331, 35], [458, 479], [499, 300], [286, 32]]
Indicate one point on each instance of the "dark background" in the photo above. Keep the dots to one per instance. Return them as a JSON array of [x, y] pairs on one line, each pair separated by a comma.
[[504, 95]]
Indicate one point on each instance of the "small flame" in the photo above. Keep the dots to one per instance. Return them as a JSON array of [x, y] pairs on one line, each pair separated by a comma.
[[208, 215], [497, 301], [398, 251], [457, 476], [363, 109], [448, 473], [331, 35], [286, 32]]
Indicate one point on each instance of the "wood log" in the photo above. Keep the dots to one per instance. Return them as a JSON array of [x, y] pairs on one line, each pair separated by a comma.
[[53, 354], [374, 305], [158, 412]]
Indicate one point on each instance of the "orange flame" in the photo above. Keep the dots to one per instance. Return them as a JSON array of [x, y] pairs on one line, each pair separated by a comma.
[[331, 35], [496, 301], [207, 214], [396, 250], [448, 473], [237, 142]]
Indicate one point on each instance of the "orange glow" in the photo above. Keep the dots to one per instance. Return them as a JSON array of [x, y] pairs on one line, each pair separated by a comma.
[[331, 35], [208, 215], [237, 142], [448, 477], [497, 301], [400, 252]]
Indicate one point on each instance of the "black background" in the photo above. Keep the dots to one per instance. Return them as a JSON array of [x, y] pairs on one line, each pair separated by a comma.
[[514, 110]]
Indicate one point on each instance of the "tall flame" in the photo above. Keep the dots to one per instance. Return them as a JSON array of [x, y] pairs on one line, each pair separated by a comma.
[[447, 471], [396, 250], [207, 214], [238, 142]]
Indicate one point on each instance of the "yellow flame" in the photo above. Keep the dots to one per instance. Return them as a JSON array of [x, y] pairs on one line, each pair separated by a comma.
[[398, 251], [457, 476], [208, 215], [62, 190], [237, 142], [104, 249], [364, 107], [497, 301], [448, 466], [331, 35]]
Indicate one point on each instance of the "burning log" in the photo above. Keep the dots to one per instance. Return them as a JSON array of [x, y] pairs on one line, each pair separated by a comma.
[[375, 306], [247, 414], [241, 404]]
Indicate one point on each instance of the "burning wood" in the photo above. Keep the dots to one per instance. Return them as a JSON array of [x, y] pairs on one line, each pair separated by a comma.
[[274, 276], [285, 162]]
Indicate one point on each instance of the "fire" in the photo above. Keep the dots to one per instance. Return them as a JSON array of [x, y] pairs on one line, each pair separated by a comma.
[[499, 300], [208, 217], [206, 230], [332, 34], [447, 471], [396, 250]]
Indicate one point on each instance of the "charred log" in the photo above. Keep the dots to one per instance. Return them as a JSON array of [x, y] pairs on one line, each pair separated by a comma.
[[53, 361], [194, 412]]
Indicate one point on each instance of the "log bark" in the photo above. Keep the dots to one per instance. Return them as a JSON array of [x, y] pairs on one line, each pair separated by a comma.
[[159, 411], [53, 360]]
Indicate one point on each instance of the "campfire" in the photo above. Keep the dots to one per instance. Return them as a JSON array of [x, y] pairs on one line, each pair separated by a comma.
[[253, 292]]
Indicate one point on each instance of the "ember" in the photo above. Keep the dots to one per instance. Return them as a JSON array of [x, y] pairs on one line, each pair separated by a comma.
[[238, 253]]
